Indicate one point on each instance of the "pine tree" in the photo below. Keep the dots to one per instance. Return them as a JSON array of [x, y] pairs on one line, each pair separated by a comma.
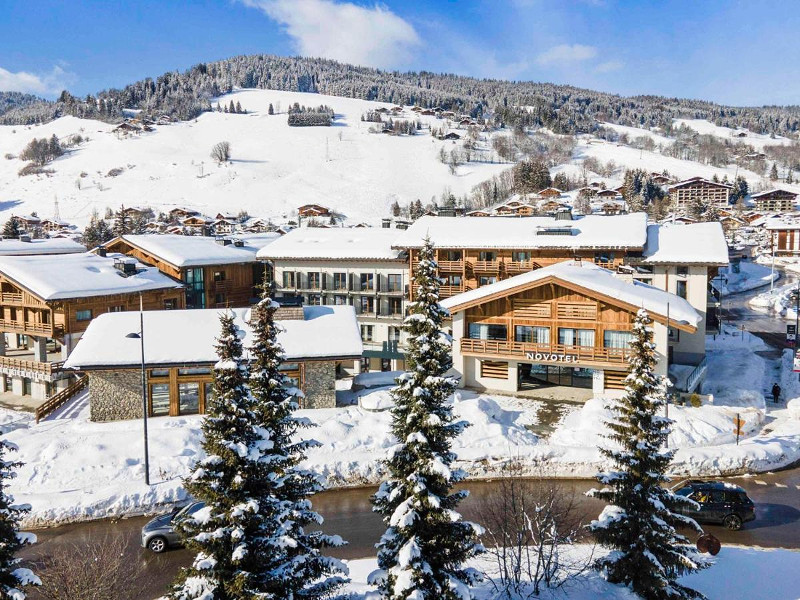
[[239, 108], [647, 553], [789, 176], [294, 570], [773, 173], [121, 222], [11, 229], [422, 553], [226, 534], [271, 110], [232, 107], [13, 579]]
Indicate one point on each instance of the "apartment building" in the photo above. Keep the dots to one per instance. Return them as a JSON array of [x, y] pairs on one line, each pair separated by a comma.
[[47, 302], [348, 266], [775, 201], [687, 192], [218, 272]]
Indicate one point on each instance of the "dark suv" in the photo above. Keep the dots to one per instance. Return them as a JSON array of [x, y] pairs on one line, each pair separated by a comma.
[[720, 503]]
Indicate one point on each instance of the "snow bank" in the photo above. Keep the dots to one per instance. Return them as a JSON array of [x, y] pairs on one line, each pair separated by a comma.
[[750, 276], [778, 300], [735, 375]]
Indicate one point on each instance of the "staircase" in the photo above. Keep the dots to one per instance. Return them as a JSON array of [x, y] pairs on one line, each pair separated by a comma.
[[61, 398]]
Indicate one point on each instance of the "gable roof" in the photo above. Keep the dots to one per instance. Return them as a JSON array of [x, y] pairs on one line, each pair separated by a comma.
[[195, 250], [174, 337], [595, 281], [697, 180]]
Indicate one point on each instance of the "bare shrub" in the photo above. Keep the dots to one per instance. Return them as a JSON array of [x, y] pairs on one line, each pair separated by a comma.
[[529, 523], [115, 171], [221, 152], [99, 571], [33, 169]]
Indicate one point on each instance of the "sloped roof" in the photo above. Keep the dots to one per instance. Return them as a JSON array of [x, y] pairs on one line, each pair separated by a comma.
[[195, 250], [686, 244], [335, 243]]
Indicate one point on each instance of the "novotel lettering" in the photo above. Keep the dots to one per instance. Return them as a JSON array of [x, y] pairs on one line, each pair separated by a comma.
[[551, 357]]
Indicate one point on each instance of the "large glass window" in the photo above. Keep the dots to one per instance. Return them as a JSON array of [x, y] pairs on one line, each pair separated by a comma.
[[486, 280], [195, 288], [680, 288], [367, 281], [208, 390], [367, 304], [83, 315], [340, 281], [617, 339], [575, 337], [395, 306], [188, 398], [452, 255], [485, 255], [314, 281], [288, 279], [532, 335], [520, 256], [159, 399], [484, 331], [395, 282], [366, 333]]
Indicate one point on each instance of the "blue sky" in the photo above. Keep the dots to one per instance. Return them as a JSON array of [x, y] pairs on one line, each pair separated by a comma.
[[731, 52]]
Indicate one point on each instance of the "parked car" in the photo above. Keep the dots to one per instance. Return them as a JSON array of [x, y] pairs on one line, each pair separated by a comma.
[[159, 533], [719, 503]]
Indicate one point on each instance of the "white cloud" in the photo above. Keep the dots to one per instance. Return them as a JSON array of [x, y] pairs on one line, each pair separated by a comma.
[[43, 84], [566, 53], [609, 66], [372, 36]]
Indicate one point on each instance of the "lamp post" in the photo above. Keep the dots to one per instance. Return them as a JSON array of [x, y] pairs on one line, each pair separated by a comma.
[[140, 336]]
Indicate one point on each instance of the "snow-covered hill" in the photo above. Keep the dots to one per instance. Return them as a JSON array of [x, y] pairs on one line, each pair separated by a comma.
[[275, 168]]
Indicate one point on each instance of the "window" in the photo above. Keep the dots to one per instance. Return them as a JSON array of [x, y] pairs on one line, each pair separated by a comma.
[[485, 331], [682, 271], [195, 290], [220, 299], [386, 364], [367, 281], [314, 300], [604, 257], [533, 335], [340, 300], [340, 281], [451, 255], [188, 398], [26, 386], [291, 374], [454, 280], [395, 282], [520, 256], [7, 383], [83, 315], [159, 399], [367, 304], [487, 280], [22, 340], [575, 337], [366, 333], [116, 309], [288, 279], [159, 372], [488, 256], [680, 288], [673, 335], [394, 334], [395, 306], [314, 281], [208, 391], [617, 339], [170, 304], [194, 371], [219, 275]]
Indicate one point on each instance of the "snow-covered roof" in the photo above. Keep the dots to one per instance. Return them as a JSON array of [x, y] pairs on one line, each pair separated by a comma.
[[174, 337], [335, 243], [770, 192], [590, 276], [777, 223], [686, 244], [696, 180], [11, 247], [593, 231], [195, 250], [80, 275]]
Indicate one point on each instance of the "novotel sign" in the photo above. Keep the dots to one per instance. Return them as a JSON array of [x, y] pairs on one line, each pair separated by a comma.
[[551, 357]]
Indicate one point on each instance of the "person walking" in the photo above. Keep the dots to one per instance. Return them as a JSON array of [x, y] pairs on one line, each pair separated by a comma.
[[776, 393]]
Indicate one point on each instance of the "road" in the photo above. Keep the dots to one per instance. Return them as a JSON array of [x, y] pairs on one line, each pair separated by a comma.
[[348, 512]]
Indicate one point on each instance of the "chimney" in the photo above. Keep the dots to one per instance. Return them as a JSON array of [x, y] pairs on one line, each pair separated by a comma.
[[291, 309], [564, 214], [126, 266], [223, 241]]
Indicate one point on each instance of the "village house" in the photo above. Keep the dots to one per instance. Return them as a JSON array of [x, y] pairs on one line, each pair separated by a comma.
[[775, 201], [550, 192], [180, 354], [47, 301], [784, 235], [54, 226], [697, 189], [357, 267], [196, 223], [25, 246], [313, 210], [27, 222], [565, 325], [218, 272]]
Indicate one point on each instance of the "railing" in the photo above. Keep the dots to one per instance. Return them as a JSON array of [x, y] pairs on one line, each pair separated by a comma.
[[485, 266], [696, 375], [11, 298], [550, 353], [26, 326], [47, 368], [59, 399], [450, 265], [520, 266]]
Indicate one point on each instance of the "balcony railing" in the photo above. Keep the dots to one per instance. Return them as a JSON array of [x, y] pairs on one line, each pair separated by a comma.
[[451, 265], [8, 363], [26, 327], [520, 266], [485, 266], [545, 353], [11, 298]]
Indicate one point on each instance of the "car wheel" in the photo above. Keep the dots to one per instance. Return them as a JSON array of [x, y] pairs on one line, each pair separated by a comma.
[[732, 522], [157, 544]]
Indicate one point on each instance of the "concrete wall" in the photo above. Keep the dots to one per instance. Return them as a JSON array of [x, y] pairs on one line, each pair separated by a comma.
[[115, 395], [320, 384]]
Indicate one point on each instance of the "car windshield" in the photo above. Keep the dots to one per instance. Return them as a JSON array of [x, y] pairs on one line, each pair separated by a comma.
[[189, 510], [684, 491]]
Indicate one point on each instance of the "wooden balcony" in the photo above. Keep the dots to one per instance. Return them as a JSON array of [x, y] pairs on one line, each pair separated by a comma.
[[27, 327], [18, 365], [485, 266], [450, 266], [575, 356], [11, 298], [514, 267]]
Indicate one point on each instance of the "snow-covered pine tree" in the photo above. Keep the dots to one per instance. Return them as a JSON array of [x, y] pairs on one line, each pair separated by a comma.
[[13, 578], [122, 222], [421, 555], [226, 534], [285, 561], [638, 525], [11, 229]]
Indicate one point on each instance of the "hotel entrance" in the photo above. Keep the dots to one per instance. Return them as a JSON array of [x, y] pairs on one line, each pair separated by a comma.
[[536, 376]]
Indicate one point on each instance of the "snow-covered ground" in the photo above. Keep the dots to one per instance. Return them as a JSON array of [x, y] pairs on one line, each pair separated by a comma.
[[275, 168], [751, 276], [738, 573], [779, 300], [757, 140], [75, 469]]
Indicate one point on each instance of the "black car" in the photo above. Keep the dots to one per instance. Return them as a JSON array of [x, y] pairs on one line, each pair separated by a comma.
[[720, 503]]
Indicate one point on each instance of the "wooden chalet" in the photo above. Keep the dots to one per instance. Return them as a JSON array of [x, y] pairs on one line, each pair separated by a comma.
[[313, 210], [698, 189], [775, 201], [550, 192]]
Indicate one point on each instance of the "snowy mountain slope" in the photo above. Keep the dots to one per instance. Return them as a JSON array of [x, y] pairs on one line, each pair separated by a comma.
[[275, 168], [757, 140]]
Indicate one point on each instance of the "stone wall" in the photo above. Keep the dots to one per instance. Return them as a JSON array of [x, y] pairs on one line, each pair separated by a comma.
[[115, 395], [320, 383]]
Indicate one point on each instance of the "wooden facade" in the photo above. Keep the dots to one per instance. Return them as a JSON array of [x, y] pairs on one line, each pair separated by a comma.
[[698, 189], [786, 242], [775, 201], [208, 286]]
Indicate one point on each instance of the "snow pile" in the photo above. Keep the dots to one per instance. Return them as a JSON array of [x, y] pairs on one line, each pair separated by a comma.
[[779, 300], [750, 276], [735, 375]]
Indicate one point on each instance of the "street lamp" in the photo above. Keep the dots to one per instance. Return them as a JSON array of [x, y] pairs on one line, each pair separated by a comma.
[[140, 336]]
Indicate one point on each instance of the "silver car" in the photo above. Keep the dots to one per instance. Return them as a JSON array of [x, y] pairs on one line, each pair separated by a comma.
[[159, 534]]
